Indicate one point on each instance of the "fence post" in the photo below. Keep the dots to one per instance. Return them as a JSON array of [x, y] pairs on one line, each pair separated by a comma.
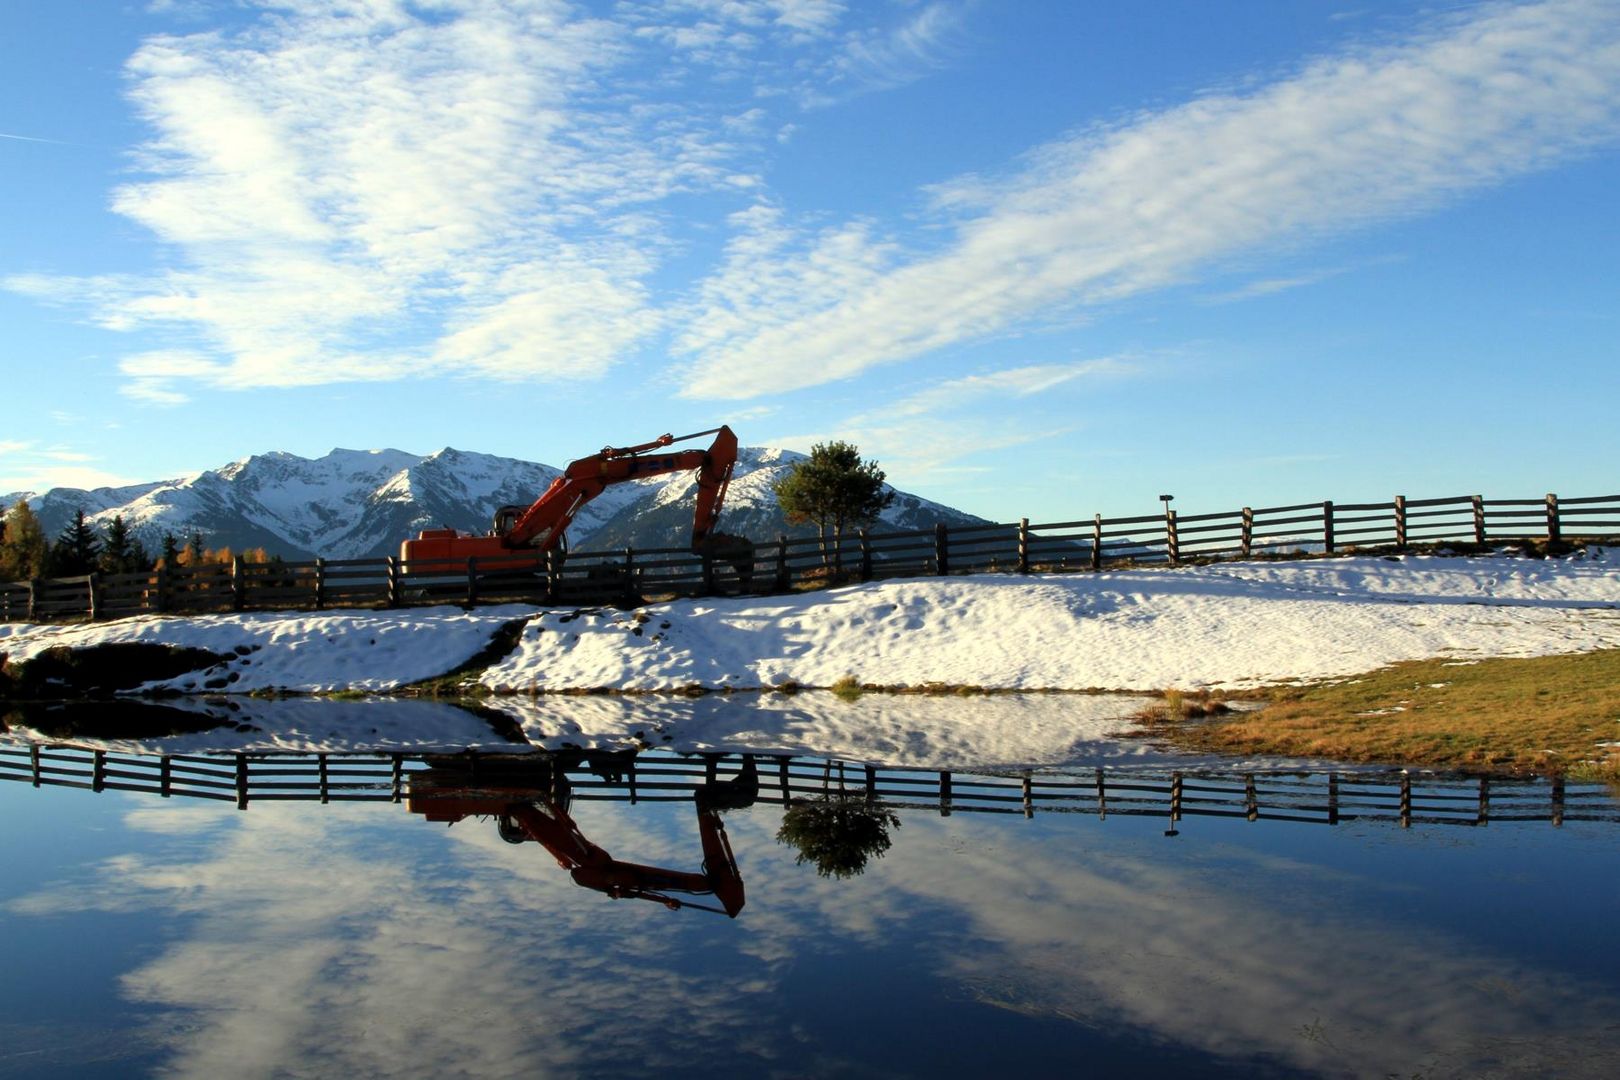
[[783, 581], [320, 584], [393, 581], [1247, 542], [553, 575], [472, 580], [162, 589], [1096, 542], [1023, 545], [1554, 533], [708, 572], [1479, 519], [93, 587], [630, 596], [942, 551], [1327, 526], [1400, 522], [866, 556], [33, 599], [1172, 545], [238, 586]]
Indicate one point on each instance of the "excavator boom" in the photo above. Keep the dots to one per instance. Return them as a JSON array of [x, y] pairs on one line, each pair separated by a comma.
[[542, 526]]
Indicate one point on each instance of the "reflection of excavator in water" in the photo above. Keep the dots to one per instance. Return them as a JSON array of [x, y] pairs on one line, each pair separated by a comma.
[[530, 804], [520, 536]]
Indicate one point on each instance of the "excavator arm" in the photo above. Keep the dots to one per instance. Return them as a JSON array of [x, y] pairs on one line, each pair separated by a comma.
[[543, 525]]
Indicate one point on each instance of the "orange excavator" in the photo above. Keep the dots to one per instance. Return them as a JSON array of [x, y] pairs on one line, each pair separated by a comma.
[[520, 536], [529, 805]]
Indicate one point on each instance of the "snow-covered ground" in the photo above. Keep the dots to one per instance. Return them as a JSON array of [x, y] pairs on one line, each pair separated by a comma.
[[1227, 625]]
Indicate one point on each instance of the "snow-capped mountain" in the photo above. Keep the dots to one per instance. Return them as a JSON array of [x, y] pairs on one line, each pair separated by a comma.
[[353, 504]]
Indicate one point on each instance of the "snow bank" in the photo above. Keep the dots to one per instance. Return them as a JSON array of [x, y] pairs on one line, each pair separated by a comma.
[[1229, 625]]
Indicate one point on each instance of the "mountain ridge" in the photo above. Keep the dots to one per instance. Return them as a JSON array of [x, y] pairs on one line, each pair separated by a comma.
[[355, 504]]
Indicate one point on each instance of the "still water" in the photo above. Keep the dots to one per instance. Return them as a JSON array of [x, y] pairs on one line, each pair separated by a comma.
[[609, 915]]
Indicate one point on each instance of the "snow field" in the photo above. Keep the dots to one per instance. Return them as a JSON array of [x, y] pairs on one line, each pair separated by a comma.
[[1228, 625]]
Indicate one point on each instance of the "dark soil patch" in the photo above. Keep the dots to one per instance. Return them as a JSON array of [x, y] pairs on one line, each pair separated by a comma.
[[100, 670], [453, 682]]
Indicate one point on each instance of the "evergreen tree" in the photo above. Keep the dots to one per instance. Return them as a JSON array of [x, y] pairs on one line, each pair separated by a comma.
[[193, 555], [835, 489], [121, 552], [77, 548], [171, 552], [23, 548]]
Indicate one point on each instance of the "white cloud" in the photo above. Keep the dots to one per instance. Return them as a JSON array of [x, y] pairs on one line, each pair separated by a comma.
[[1350, 139], [1019, 382], [881, 58], [923, 436], [26, 466], [385, 191]]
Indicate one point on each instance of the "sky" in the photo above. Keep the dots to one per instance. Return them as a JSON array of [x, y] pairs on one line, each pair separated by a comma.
[[1038, 259]]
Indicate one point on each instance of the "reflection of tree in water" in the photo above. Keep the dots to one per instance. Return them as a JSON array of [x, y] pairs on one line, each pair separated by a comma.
[[837, 833]]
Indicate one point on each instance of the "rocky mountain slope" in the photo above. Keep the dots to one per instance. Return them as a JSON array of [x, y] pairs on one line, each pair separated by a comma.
[[353, 504]]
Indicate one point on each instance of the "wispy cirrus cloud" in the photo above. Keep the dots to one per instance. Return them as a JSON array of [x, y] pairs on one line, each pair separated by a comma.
[[1360, 137], [880, 58], [925, 434], [29, 466], [384, 191]]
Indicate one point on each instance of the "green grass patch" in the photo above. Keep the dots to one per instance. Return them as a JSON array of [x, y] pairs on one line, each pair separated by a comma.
[[1549, 714]]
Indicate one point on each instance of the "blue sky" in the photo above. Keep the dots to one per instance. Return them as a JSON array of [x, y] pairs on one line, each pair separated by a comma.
[[1038, 258]]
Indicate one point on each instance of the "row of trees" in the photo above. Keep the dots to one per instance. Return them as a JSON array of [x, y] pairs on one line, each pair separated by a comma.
[[81, 548]]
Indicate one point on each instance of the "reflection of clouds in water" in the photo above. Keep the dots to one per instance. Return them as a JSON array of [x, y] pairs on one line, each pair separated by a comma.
[[364, 961], [392, 952], [1214, 956]]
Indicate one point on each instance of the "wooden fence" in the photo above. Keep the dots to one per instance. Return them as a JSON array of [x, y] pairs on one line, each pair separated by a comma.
[[784, 564], [1330, 798]]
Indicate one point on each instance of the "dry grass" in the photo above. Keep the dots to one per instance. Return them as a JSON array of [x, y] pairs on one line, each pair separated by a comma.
[[848, 688], [1178, 705], [1545, 714]]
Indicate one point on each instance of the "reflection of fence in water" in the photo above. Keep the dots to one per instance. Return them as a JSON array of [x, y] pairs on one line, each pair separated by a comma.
[[1316, 798]]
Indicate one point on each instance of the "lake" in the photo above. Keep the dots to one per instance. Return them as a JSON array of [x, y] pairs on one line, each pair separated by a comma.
[[508, 911]]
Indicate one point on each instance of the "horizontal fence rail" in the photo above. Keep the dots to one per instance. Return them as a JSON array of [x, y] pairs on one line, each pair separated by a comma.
[[631, 576], [1321, 798]]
